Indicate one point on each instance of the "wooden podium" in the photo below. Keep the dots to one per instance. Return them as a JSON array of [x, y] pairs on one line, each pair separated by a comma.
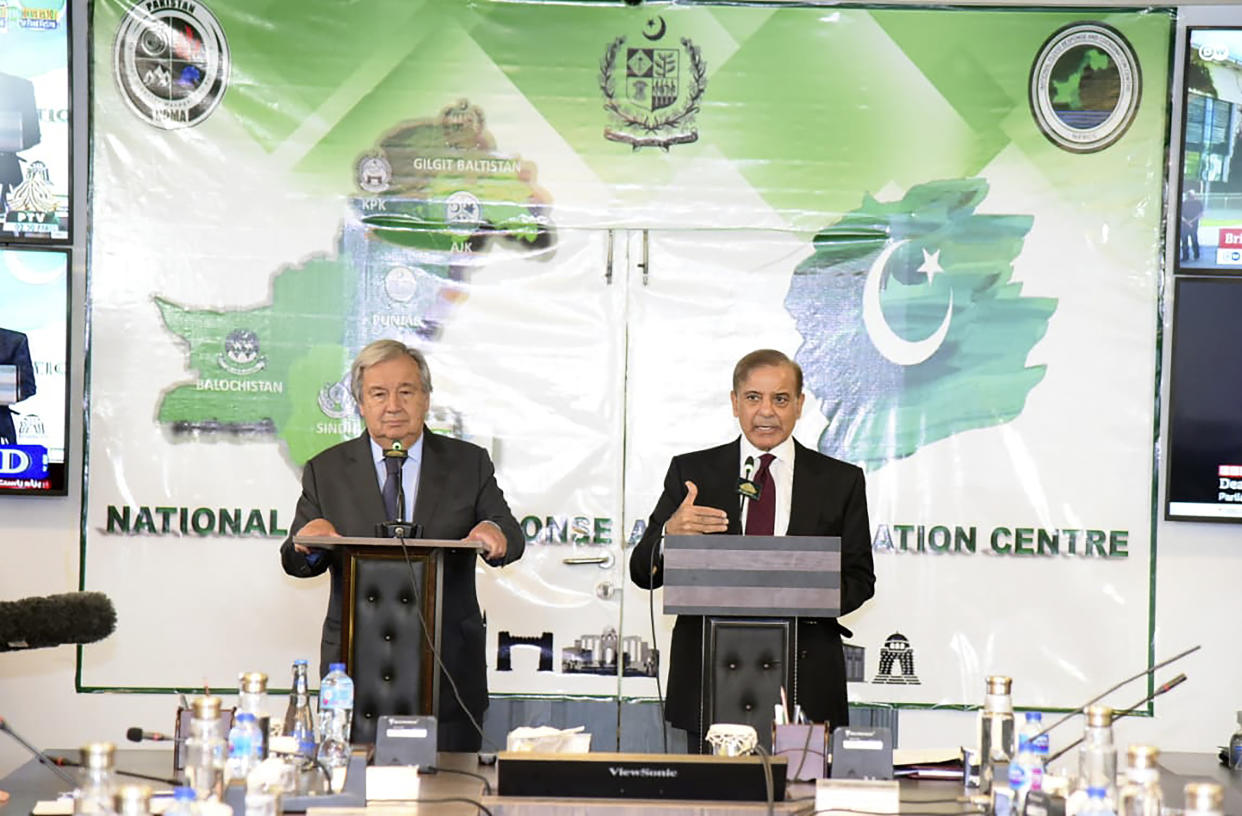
[[750, 591], [390, 623]]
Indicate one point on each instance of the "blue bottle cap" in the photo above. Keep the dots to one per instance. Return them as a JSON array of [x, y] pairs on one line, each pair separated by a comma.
[[183, 793], [301, 661], [244, 716], [1034, 716], [336, 667], [1095, 792]]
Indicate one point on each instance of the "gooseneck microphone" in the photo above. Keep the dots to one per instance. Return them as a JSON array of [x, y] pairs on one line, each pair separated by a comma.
[[1143, 673], [1169, 686], [54, 620], [397, 452]]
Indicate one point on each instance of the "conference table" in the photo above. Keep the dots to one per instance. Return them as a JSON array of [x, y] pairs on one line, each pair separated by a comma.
[[453, 791]]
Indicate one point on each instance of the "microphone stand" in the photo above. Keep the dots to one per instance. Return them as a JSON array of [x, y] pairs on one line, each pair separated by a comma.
[[398, 527], [43, 758]]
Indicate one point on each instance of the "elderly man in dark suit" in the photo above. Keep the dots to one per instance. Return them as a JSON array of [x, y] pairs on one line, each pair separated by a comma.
[[450, 491], [15, 351], [809, 495]]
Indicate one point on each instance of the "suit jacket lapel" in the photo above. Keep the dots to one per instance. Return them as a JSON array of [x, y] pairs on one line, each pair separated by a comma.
[[720, 488], [804, 507], [360, 478], [430, 485]]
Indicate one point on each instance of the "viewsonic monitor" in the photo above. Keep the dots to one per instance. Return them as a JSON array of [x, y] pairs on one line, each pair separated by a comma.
[[1209, 226], [35, 133], [34, 370], [1205, 405]]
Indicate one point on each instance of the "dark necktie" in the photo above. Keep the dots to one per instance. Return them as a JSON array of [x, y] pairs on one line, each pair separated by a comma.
[[761, 515], [390, 486]]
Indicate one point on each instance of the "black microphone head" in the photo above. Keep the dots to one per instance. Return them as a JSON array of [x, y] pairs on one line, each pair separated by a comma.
[[134, 734], [71, 617]]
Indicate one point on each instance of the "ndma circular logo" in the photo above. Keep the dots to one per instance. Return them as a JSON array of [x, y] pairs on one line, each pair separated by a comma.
[[1085, 87], [171, 62]]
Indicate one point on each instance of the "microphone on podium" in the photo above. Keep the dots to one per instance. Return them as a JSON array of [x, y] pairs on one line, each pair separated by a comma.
[[54, 620]]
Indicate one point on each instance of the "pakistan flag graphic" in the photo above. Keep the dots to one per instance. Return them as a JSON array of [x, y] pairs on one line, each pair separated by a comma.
[[912, 329]]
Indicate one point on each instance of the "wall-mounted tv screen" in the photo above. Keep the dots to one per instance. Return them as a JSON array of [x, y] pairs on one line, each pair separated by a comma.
[[35, 138], [1205, 404], [34, 369]]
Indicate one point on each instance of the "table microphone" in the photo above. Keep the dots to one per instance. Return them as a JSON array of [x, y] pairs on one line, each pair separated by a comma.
[[136, 734], [1143, 673], [1117, 715], [54, 620]]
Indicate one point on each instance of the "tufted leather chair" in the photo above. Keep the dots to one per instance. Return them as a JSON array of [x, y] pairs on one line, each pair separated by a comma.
[[386, 653], [745, 667]]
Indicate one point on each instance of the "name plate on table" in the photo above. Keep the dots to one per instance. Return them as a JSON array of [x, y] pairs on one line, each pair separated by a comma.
[[8, 384], [753, 576], [638, 776]]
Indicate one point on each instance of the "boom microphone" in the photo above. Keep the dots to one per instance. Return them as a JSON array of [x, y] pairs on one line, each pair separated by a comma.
[[71, 617], [136, 734]]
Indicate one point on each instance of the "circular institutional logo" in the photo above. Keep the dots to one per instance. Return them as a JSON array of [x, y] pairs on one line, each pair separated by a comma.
[[374, 174], [171, 63], [1085, 87], [400, 284]]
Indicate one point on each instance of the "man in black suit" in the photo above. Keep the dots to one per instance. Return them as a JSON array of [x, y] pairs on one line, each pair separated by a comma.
[[814, 495], [450, 491], [15, 351], [19, 130]]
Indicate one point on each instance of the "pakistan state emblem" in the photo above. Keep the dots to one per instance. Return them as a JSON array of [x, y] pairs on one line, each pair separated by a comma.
[[652, 89]]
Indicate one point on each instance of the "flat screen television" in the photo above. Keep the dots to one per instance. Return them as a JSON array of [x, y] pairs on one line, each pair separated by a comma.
[[34, 370], [1204, 444], [36, 140]]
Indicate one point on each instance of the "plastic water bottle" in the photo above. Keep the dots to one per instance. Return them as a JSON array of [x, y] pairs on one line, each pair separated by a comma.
[[1235, 746], [205, 749], [1204, 799], [336, 712], [97, 785], [1097, 757], [299, 721], [1140, 795], [245, 745], [996, 742], [1026, 771], [252, 698], [132, 800], [183, 803], [1097, 803]]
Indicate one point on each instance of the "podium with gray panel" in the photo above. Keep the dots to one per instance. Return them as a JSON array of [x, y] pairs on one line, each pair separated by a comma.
[[750, 591], [8, 384], [391, 622]]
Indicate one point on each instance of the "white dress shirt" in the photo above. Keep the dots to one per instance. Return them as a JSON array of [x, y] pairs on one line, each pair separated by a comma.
[[782, 469]]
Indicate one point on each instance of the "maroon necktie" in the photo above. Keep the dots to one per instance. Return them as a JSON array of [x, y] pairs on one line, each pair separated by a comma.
[[761, 516]]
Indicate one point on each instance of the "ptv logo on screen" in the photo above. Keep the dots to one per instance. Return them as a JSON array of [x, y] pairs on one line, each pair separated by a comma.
[[23, 462]]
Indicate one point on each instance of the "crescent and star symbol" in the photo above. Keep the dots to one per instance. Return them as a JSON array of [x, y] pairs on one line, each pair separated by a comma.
[[894, 347], [657, 30]]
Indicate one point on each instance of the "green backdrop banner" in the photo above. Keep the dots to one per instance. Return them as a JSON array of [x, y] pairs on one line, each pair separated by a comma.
[[584, 215]]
